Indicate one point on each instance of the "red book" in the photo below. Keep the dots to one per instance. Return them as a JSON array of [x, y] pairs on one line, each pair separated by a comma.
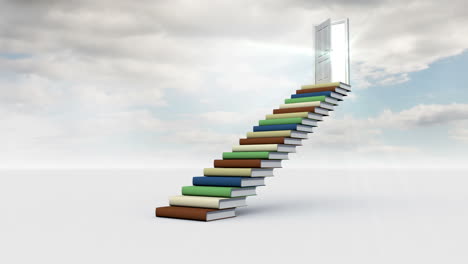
[[294, 110]]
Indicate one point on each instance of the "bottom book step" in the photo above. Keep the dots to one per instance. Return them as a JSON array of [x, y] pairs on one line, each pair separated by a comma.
[[192, 213], [207, 202]]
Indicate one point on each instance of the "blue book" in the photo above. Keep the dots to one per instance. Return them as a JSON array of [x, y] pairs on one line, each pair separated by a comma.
[[327, 93], [228, 181], [331, 94], [276, 127]]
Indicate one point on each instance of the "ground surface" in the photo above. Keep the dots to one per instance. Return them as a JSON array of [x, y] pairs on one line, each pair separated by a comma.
[[338, 216]]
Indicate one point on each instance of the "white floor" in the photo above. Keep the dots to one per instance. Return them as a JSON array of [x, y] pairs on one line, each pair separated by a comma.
[[340, 216]]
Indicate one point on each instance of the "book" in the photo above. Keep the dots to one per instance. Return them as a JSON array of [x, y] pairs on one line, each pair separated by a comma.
[[193, 213], [293, 120], [246, 172], [331, 94], [306, 104], [317, 115], [255, 155], [271, 140], [341, 85], [247, 163], [218, 191], [297, 127], [265, 147], [324, 89], [294, 110], [228, 181], [207, 202], [279, 133], [322, 98]]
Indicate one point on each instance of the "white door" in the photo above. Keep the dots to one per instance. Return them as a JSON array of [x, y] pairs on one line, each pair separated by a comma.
[[322, 52]]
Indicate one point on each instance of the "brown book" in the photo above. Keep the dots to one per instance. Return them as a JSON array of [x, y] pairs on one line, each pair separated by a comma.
[[315, 90], [266, 140], [294, 110], [193, 213]]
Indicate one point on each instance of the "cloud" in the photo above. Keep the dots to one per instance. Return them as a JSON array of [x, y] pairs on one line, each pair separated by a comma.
[[367, 135], [151, 42], [424, 115], [460, 131], [76, 76]]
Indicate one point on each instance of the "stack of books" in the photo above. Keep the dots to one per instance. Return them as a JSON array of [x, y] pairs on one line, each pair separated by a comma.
[[226, 186]]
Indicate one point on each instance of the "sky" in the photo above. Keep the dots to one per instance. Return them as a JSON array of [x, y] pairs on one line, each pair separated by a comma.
[[164, 84]]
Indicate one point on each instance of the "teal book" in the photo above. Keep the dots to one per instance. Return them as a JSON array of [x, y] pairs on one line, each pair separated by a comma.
[[216, 191], [279, 121], [305, 99]]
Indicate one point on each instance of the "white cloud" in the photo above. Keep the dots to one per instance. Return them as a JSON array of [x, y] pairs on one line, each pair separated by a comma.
[[460, 131], [424, 115], [91, 73]]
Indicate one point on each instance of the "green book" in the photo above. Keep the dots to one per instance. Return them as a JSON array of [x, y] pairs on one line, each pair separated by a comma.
[[246, 155], [305, 99], [255, 155], [294, 120], [218, 191]]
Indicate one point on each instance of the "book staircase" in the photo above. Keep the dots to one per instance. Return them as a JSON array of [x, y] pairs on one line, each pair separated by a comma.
[[226, 186]]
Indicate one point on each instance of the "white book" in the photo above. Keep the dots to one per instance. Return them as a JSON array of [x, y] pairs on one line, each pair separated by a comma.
[[314, 116], [341, 85], [245, 172], [207, 202], [306, 104], [277, 133]]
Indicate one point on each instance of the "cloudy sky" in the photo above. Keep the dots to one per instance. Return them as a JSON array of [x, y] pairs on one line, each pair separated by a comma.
[[175, 83]]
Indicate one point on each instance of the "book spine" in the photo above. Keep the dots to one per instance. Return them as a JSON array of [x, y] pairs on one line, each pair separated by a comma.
[[280, 121], [294, 110], [264, 147], [246, 155], [238, 163], [267, 140], [275, 127], [217, 181], [207, 191], [288, 115], [246, 172], [305, 99], [326, 93], [281, 133]]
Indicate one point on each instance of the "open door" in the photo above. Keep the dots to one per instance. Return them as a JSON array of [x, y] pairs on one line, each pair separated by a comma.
[[322, 52], [332, 52]]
